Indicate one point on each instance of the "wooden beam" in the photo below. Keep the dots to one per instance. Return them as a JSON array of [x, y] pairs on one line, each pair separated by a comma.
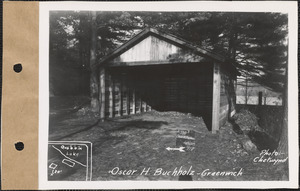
[[144, 106], [124, 96], [102, 93], [147, 107], [128, 99], [120, 98], [113, 82], [141, 104], [216, 98], [111, 98], [133, 101]]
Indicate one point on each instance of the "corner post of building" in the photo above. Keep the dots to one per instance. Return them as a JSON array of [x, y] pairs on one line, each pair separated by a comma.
[[216, 98], [102, 93]]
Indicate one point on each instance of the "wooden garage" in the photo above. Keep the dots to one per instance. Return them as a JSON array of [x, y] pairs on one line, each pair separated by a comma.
[[155, 70]]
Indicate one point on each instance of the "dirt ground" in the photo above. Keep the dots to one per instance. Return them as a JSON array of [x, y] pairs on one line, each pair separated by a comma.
[[139, 142]]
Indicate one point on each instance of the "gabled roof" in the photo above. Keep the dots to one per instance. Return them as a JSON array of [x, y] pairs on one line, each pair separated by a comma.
[[167, 37]]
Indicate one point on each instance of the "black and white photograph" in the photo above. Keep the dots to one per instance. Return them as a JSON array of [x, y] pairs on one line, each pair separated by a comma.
[[168, 96]]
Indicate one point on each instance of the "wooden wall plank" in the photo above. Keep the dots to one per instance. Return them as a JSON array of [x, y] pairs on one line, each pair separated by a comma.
[[128, 100], [124, 96], [133, 101], [111, 97], [144, 106], [140, 104], [137, 102], [155, 49], [116, 94], [120, 98]]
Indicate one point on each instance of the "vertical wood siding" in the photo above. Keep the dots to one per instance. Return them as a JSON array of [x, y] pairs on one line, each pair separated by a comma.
[[117, 96], [155, 49]]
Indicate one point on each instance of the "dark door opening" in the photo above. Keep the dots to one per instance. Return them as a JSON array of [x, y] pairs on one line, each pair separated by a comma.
[[174, 87]]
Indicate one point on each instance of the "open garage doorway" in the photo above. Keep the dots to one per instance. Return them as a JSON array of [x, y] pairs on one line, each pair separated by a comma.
[[182, 87]]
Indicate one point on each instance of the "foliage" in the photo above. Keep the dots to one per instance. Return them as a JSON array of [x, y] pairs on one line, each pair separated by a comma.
[[256, 42]]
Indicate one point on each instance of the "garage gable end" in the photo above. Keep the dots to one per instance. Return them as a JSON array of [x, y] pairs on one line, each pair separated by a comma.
[[155, 50], [151, 46]]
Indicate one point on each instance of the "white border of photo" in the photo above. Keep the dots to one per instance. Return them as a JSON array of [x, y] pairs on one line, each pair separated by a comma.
[[289, 7]]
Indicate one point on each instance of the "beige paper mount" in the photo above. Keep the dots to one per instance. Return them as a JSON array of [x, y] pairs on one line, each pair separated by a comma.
[[20, 95]]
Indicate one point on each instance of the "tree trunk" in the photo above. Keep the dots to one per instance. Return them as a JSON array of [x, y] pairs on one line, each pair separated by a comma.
[[80, 39], [232, 37], [81, 63], [94, 91], [246, 91], [94, 82], [283, 142]]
